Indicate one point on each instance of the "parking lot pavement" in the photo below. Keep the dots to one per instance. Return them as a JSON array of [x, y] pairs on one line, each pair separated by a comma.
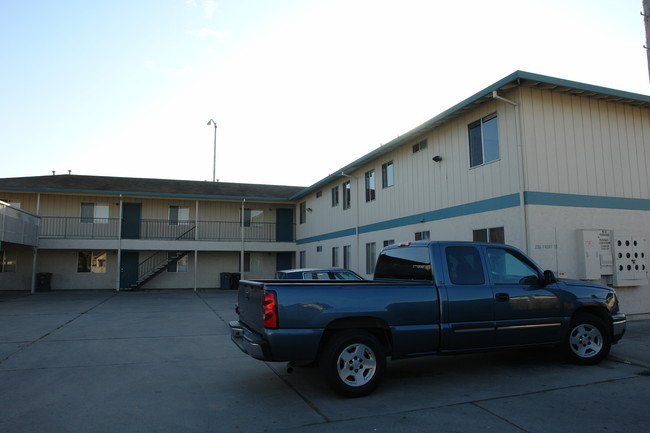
[[163, 361]]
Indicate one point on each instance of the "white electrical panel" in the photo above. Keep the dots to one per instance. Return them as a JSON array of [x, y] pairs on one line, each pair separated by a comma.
[[596, 259], [630, 261]]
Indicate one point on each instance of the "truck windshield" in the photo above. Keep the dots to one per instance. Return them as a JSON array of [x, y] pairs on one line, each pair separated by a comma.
[[405, 263]]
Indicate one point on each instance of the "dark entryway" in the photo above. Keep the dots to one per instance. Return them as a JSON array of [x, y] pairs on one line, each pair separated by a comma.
[[284, 225], [131, 220], [128, 269]]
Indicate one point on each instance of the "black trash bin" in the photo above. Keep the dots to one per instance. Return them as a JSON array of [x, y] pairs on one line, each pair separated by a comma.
[[43, 281], [226, 280], [236, 276]]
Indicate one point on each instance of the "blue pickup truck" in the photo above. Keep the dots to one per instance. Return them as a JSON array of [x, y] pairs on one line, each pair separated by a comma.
[[426, 298]]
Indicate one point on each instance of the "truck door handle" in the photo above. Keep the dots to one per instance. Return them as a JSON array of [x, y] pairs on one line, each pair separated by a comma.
[[502, 297]]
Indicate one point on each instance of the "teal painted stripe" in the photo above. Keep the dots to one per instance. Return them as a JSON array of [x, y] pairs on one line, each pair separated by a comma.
[[491, 204], [326, 236], [497, 203], [590, 201]]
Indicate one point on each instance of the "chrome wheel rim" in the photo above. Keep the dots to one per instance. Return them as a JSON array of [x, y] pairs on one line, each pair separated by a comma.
[[356, 365], [586, 341]]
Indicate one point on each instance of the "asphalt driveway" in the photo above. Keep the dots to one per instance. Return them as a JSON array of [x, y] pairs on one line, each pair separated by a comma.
[[163, 362]]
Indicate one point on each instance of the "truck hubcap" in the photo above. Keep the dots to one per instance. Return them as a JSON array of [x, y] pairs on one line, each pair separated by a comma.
[[585, 340], [356, 364]]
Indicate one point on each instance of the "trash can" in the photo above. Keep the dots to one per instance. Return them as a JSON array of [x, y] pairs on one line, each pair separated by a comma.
[[226, 280], [43, 281], [236, 276]]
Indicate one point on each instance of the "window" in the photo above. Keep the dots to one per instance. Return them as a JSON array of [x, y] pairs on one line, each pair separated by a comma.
[[91, 261], [494, 235], [179, 215], [510, 267], [94, 213], [319, 249], [464, 266], [319, 194], [420, 146], [303, 259], [371, 257], [412, 263], [389, 242], [251, 216], [483, 140], [423, 236], [11, 203], [7, 261], [346, 195], [370, 185], [335, 196], [303, 212], [387, 176], [335, 257], [178, 266], [347, 256], [253, 262]]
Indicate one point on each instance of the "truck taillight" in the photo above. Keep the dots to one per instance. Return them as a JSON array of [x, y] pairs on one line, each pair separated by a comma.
[[270, 310]]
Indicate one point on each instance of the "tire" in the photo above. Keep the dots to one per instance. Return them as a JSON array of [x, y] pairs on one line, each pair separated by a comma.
[[588, 341], [353, 363]]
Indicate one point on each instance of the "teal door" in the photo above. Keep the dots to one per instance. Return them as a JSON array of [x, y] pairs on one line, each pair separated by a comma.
[[128, 269], [283, 261], [131, 220], [284, 225]]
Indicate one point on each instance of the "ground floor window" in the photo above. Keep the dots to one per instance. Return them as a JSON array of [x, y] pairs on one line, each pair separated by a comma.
[[494, 235], [179, 266], [253, 262], [347, 256], [371, 257], [91, 261], [7, 261], [335, 257], [423, 236]]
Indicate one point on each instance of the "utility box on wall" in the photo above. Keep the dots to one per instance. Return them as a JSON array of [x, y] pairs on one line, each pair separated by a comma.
[[630, 261], [596, 258], [620, 254]]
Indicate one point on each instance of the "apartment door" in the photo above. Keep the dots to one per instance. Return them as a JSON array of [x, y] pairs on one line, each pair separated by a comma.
[[284, 225], [131, 220], [128, 269]]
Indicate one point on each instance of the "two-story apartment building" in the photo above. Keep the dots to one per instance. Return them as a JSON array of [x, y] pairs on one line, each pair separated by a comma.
[[111, 233], [558, 168]]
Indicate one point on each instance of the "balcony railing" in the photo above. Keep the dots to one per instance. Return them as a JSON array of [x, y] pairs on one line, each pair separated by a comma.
[[152, 229]]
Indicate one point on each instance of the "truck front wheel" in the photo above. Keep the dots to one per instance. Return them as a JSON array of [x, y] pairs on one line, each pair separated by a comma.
[[588, 341], [353, 363]]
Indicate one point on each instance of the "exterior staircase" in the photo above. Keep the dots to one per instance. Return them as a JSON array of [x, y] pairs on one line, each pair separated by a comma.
[[156, 264]]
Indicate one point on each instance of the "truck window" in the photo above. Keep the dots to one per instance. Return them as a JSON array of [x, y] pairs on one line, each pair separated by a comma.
[[404, 263], [464, 265], [509, 267]]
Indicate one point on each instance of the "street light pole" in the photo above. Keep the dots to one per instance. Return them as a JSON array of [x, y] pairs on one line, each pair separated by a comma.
[[214, 154]]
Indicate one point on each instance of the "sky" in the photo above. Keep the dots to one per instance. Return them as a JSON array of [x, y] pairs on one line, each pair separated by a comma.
[[298, 88]]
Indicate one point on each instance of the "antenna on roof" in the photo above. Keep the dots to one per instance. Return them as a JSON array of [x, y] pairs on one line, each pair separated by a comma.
[[53, 173], [69, 172]]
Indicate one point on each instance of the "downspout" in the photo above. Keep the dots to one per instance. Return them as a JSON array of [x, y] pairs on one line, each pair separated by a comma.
[[522, 178], [356, 229], [196, 251]]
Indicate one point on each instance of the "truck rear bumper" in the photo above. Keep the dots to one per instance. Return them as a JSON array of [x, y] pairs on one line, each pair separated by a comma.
[[247, 341], [618, 327]]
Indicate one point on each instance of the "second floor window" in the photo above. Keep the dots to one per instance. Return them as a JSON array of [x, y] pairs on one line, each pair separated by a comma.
[[335, 196], [94, 213], [179, 215], [346, 195], [371, 186], [483, 140], [303, 212], [387, 177]]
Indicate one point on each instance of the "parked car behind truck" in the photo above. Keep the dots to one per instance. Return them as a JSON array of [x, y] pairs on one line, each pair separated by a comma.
[[426, 298]]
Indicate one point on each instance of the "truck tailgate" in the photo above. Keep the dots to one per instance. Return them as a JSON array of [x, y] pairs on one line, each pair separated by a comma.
[[250, 305]]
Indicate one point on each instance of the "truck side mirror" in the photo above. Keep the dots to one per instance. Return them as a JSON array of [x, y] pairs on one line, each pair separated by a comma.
[[549, 277]]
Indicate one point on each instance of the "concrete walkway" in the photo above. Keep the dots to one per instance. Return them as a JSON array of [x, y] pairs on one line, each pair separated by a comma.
[[163, 362]]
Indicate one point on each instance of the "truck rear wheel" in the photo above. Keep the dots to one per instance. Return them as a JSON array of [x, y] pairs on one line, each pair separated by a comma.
[[353, 363], [588, 341]]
